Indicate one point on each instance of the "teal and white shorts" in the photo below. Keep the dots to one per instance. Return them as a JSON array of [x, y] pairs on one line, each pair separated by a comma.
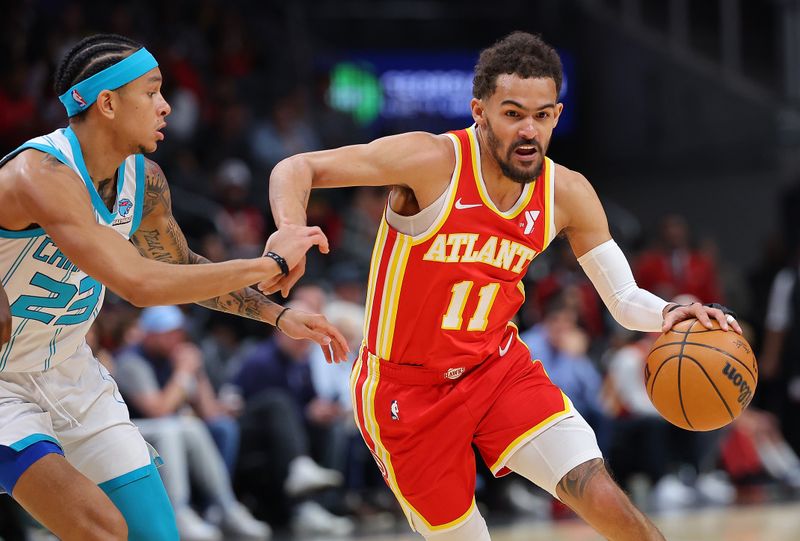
[[76, 405]]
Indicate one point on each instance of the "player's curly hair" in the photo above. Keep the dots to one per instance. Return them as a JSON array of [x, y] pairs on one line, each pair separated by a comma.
[[519, 53], [89, 56]]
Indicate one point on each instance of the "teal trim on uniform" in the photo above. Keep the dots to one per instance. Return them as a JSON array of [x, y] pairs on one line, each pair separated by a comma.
[[30, 440], [141, 498], [53, 347], [15, 265], [37, 146], [125, 478], [97, 201], [138, 205]]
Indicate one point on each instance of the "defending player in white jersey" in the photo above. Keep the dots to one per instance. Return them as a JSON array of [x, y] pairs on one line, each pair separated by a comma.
[[72, 200]]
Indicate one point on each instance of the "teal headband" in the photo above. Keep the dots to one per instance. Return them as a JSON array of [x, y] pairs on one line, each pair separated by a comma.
[[78, 98]]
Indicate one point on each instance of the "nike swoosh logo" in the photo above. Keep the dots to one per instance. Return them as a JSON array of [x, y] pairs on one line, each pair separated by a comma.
[[462, 206], [504, 350]]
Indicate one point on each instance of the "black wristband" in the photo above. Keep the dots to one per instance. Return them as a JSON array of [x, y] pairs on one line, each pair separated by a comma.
[[280, 261], [725, 310], [278, 319]]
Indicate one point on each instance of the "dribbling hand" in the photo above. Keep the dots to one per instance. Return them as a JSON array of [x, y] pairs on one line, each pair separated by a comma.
[[675, 313], [5, 318]]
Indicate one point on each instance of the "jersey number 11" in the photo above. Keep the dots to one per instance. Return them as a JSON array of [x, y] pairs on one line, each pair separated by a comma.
[[453, 318]]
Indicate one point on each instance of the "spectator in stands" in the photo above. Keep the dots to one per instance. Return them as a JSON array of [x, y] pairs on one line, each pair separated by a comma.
[[561, 345], [240, 221], [173, 404], [673, 267], [283, 418], [779, 360]]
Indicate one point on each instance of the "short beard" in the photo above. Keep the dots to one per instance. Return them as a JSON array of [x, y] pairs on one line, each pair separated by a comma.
[[519, 176]]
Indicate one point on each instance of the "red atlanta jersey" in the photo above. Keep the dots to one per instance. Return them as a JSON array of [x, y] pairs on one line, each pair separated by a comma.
[[444, 298]]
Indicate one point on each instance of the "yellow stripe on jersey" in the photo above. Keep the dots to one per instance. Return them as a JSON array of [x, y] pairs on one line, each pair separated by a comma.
[[371, 425], [549, 171], [391, 295], [371, 422], [527, 190], [353, 382], [374, 267], [529, 434], [453, 187], [521, 288]]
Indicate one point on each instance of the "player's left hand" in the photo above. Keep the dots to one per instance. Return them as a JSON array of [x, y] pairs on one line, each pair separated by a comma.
[[5, 318], [675, 313], [298, 325]]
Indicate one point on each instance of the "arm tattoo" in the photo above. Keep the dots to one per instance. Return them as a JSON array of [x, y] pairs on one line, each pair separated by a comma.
[[574, 484], [156, 191], [107, 190], [160, 237], [246, 302]]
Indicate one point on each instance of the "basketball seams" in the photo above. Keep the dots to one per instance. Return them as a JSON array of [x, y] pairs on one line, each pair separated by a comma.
[[696, 399], [658, 370], [713, 384], [680, 390], [700, 344], [680, 365]]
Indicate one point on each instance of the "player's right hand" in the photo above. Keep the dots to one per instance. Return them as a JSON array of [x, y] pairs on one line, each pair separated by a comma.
[[291, 242], [5, 318]]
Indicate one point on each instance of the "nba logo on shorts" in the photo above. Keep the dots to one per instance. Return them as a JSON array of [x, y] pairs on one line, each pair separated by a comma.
[[454, 373], [395, 409]]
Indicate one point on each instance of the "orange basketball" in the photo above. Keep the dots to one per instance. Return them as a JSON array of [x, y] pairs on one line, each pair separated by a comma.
[[699, 378]]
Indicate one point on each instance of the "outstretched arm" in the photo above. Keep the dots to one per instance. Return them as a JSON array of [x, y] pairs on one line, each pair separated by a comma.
[[580, 215], [420, 161], [160, 237], [43, 191]]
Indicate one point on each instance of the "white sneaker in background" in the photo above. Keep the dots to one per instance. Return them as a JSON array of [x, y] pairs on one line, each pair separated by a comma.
[[525, 501], [237, 521], [193, 528], [310, 518], [306, 476], [670, 494], [716, 488]]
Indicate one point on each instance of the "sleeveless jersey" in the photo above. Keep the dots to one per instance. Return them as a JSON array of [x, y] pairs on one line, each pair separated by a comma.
[[53, 302], [443, 299]]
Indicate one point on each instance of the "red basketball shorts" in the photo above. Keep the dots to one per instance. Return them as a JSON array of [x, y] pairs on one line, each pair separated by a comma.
[[420, 426]]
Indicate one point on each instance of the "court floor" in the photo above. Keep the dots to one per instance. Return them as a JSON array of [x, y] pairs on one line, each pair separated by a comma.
[[778, 522]]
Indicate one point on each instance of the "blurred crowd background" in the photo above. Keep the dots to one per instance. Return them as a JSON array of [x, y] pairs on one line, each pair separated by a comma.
[[684, 114]]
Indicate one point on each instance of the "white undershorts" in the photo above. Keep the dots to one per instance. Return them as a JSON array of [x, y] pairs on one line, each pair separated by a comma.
[[548, 457], [77, 405]]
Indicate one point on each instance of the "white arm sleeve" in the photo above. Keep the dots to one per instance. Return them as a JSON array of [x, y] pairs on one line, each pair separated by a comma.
[[633, 307]]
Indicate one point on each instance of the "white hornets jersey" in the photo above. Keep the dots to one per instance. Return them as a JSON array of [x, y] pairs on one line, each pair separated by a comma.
[[53, 302]]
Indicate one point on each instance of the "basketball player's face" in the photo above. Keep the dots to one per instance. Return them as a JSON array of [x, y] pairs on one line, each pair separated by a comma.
[[143, 111], [517, 122]]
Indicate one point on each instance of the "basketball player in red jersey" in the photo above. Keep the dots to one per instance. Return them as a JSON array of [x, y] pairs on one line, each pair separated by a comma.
[[441, 367]]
